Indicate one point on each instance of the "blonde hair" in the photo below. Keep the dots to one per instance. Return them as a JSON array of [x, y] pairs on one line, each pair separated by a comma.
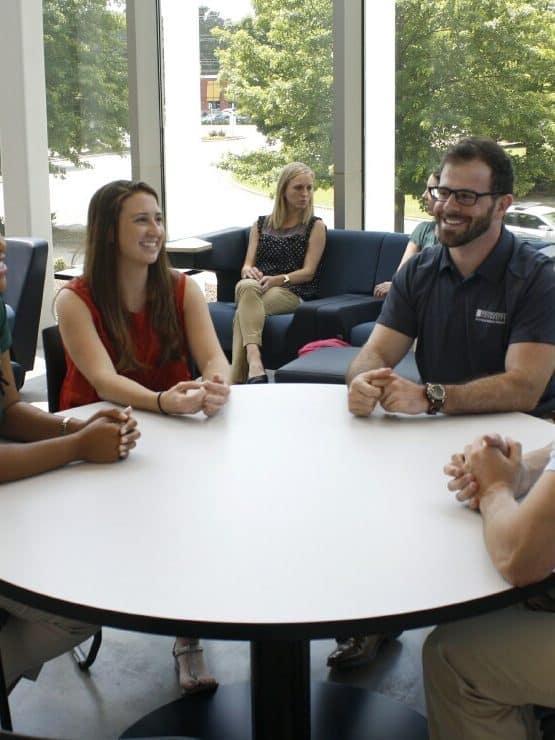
[[279, 212]]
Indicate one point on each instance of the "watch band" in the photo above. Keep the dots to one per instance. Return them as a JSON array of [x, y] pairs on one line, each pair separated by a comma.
[[435, 393]]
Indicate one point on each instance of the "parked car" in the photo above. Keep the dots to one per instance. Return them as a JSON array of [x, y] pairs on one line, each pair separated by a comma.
[[225, 116], [532, 221]]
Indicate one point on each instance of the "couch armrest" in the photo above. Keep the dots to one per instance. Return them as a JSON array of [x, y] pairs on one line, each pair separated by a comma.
[[225, 259], [337, 318]]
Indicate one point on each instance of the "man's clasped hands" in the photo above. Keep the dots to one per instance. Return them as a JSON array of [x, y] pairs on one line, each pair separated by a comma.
[[393, 392]]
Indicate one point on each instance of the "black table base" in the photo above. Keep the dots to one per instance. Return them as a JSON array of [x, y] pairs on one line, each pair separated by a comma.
[[338, 711]]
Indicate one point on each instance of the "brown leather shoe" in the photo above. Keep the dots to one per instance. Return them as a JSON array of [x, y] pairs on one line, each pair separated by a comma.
[[358, 650]]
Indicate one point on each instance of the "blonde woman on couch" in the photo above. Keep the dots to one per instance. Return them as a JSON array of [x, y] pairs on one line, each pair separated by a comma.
[[281, 268]]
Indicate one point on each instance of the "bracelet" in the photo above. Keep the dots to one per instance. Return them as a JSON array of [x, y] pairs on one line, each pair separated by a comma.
[[160, 405], [64, 426]]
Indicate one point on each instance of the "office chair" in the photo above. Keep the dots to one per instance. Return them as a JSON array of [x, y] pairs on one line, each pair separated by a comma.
[[26, 262]]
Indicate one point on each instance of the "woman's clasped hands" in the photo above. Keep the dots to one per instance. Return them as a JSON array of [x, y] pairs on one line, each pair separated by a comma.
[[191, 396]]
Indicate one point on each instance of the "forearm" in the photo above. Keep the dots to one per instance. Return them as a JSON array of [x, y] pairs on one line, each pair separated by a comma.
[[26, 423], [499, 511], [19, 461], [533, 465], [126, 392], [217, 366], [494, 393], [367, 359]]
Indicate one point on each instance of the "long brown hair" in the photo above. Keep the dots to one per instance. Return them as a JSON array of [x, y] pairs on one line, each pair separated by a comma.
[[279, 212], [101, 268]]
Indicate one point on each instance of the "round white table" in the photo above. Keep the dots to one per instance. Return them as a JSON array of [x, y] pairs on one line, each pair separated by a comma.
[[281, 520]]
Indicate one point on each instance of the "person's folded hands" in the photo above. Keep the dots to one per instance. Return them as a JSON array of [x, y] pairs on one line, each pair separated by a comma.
[[495, 466], [364, 392], [401, 395], [185, 397], [217, 394]]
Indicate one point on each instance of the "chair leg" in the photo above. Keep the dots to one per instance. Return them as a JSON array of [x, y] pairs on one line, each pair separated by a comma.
[[85, 662], [5, 716]]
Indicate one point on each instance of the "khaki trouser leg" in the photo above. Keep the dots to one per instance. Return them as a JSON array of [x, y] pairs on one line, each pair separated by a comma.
[[30, 637], [252, 308], [483, 675]]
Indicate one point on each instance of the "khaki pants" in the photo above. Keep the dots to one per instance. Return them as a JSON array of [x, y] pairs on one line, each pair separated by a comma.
[[483, 675], [30, 637], [252, 308]]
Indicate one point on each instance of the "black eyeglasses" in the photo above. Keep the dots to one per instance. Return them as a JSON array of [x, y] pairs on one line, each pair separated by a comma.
[[463, 197]]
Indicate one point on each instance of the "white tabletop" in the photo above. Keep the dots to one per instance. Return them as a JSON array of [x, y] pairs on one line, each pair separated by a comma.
[[285, 509], [191, 244]]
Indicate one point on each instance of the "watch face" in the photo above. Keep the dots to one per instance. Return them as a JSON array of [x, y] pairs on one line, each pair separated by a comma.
[[436, 392]]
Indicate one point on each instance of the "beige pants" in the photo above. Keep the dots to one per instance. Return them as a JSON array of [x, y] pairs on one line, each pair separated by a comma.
[[31, 637], [252, 308], [483, 675]]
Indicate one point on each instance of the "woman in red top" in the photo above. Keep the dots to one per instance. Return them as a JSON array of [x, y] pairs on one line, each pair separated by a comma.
[[130, 327]]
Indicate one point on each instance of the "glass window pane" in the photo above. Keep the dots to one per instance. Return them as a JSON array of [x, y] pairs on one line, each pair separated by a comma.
[[231, 140], [87, 106], [467, 68]]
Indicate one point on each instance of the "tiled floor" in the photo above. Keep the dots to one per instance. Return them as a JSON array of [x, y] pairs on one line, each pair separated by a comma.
[[134, 673]]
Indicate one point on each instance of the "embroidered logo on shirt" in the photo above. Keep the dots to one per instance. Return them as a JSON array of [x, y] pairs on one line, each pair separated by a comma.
[[490, 317]]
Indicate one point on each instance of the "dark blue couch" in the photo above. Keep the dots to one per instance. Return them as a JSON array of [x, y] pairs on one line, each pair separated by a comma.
[[353, 263]]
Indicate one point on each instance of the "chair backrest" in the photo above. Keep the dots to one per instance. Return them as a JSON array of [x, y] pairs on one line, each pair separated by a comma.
[[26, 262], [353, 259], [55, 360]]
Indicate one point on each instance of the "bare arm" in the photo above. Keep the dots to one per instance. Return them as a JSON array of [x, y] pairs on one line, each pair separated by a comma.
[[528, 368], [519, 536], [104, 438], [384, 348], [382, 289], [410, 250], [248, 270], [93, 361], [371, 368], [314, 252], [202, 337]]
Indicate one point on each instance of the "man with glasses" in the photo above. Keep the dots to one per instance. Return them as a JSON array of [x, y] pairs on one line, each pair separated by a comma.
[[481, 308]]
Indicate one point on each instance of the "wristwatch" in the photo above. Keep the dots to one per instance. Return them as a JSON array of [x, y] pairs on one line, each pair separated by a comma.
[[286, 281], [435, 393]]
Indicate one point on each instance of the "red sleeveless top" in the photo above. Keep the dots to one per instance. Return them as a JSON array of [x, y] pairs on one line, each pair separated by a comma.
[[76, 389]]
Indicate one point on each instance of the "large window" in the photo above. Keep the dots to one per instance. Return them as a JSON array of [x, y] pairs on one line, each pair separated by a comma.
[[475, 68], [226, 135], [87, 107]]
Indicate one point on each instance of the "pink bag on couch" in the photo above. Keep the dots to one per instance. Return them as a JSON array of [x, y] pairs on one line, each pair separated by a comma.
[[320, 344]]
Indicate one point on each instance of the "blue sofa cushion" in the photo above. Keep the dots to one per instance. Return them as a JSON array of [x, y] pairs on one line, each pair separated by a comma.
[[361, 332]]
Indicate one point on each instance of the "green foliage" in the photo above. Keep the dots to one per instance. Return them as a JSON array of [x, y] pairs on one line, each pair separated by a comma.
[[482, 68], [278, 69], [85, 51], [463, 67], [207, 20]]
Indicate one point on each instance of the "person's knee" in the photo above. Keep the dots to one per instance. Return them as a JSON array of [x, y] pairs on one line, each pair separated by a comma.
[[246, 285]]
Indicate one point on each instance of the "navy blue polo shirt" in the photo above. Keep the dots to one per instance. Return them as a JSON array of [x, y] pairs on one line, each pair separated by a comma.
[[464, 326]]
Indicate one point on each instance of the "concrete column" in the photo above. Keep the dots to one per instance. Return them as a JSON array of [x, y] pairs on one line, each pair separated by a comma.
[[379, 115], [23, 129], [348, 118]]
